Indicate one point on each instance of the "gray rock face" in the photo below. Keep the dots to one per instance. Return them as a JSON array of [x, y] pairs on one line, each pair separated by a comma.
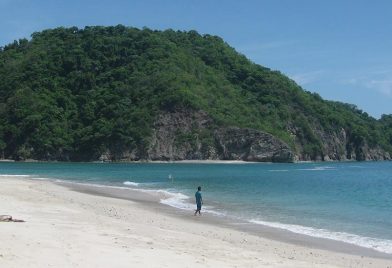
[[192, 135], [176, 136], [251, 145], [187, 135], [338, 146]]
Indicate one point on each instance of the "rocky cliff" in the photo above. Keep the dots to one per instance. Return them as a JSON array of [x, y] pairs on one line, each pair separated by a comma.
[[338, 145], [184, 135], [193, 135], [189, 135]]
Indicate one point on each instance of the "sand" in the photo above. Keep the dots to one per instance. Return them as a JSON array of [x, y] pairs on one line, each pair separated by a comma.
[[66, 228]]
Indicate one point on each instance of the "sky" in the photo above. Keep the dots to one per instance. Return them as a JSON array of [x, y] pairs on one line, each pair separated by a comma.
[[341, 49]]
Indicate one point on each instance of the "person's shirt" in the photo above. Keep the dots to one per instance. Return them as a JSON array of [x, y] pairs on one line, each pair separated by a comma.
[[198, 197]]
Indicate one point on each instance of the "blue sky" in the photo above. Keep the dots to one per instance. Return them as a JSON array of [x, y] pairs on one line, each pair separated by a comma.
[[341, 49]]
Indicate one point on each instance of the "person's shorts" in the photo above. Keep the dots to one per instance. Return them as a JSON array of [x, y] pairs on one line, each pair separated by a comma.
[[198, 206]]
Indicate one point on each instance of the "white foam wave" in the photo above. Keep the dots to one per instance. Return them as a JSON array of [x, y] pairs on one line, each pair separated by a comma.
[[181, 201], [176, 200], [318, 168], [356, 166], [13, 175], [278, 170], [382, 245], [130, 183], [92, 184], [39, 178], [210, 210]]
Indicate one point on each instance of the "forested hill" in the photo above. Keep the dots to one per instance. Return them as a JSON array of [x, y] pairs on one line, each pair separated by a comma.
[[120, 93]]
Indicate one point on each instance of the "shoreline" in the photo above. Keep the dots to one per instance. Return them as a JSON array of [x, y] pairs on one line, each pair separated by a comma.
[[273, 233], [61, 222], [204, 161]]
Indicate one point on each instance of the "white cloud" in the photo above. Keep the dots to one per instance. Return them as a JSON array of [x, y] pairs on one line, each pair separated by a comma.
[[350, 81], [308, 77], [383, 86], [380, 81]]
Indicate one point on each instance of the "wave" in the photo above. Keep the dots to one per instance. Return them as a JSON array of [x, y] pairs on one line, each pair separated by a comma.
[[176, 200], [92, 184], [318, 168], [172, 199], [130, 183], [352, 166], [39, 178], [13, 175], [381, 245], [181, 201], [278, 170]]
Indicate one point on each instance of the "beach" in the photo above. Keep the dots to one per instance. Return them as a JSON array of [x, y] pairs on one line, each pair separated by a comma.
[[68, 228]]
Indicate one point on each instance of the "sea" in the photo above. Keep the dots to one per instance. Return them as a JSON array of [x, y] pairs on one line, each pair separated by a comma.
[[345, 201]]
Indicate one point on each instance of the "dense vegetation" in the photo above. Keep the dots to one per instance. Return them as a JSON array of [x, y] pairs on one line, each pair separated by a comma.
[[71, 94]]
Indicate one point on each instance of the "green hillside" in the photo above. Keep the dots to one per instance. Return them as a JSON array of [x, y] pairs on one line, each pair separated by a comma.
[[73, 94]]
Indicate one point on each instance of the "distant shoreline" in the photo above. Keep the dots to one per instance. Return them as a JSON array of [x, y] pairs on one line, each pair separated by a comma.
[[206, 161]]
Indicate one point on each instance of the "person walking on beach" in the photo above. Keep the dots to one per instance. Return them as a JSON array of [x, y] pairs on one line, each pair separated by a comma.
[[199, 200]]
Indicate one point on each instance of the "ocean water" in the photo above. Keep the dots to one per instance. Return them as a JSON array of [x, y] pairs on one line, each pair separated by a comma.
[[349, 202]]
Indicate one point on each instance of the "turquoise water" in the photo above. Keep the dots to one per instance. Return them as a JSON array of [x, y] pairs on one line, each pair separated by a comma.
[[349, 202]]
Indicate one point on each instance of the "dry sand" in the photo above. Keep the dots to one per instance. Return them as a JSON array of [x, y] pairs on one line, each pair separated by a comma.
[[66, 228]]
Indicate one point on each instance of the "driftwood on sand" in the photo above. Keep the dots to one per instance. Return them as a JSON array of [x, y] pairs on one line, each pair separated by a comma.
[[8, 218]]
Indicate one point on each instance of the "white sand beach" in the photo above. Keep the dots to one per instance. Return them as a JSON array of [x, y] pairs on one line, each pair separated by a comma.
[[65, 228]]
